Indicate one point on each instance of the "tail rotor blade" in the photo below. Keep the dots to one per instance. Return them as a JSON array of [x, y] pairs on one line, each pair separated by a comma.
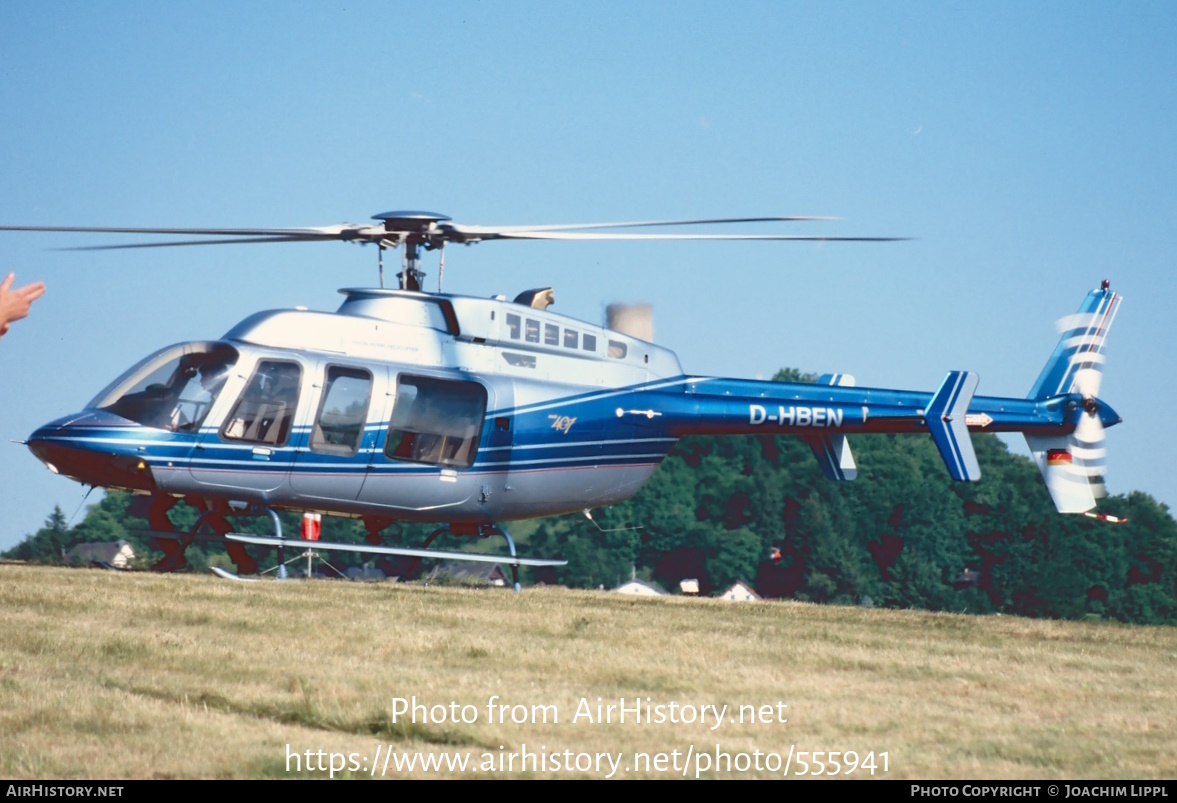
[[1090, 453], [1087, 381]]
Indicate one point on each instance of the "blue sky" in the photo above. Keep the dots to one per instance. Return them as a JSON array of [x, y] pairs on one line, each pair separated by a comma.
[[1028, 147]]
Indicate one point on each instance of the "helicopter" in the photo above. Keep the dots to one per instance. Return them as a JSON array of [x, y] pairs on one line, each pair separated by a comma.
[[406, 405]]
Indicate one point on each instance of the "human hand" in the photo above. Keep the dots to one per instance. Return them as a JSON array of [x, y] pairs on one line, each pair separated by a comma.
[[14, 304]]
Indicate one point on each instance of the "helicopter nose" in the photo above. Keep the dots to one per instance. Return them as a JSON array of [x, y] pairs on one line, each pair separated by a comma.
[[86, 447]]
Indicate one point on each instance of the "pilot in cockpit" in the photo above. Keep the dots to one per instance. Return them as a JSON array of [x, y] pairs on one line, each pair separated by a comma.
[[196, 389]]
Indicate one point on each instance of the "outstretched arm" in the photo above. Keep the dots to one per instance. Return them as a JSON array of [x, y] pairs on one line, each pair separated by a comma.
[[14, 304]]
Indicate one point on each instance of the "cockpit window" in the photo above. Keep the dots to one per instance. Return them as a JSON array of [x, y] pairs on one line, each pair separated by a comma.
[[436, 421], [173, 389], [265, 410]]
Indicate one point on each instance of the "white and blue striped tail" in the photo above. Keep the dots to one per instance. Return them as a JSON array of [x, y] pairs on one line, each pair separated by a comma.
[[1073, 465]]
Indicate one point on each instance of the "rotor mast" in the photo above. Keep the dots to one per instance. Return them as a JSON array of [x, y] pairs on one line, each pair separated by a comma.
[[416, 231]]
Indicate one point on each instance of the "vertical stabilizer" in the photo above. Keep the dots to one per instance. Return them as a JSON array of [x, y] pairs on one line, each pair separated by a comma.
[[1073, 464], [1077, 362]]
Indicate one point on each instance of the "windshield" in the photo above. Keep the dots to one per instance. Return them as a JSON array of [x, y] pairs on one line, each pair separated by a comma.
[[172, 389]]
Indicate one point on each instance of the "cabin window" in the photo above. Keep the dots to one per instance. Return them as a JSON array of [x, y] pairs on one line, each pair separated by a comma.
[[571, 340], [265, 411], [617, 349], [173, 389], [590, 342], [514, 326], [551, 334], [531, 334], [436, 421], [339, 426]]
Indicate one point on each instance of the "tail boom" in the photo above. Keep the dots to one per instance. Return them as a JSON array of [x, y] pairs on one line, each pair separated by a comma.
[[1062, 419], [714, 406]]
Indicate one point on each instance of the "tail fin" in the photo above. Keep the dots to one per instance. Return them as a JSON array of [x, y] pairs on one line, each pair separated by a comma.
[[1076, 364], [1073, 465]]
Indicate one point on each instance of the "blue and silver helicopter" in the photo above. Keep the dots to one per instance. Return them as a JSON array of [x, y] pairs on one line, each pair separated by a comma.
[[407, 405]]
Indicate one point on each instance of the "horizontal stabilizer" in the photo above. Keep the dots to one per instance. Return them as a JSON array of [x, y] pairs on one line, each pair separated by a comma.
[[833, 451], [474, 557], [945, 416]]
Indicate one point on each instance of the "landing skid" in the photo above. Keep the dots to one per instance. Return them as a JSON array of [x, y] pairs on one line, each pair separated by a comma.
[[512, 560], [226, 575]]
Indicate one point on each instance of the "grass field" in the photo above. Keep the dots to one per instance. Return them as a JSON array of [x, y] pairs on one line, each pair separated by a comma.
[[109, 675]]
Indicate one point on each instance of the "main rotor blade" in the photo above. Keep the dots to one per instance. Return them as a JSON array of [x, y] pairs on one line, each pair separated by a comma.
[[235, 241], [490, 230], [325, 231], [438, 233], [560, 235]]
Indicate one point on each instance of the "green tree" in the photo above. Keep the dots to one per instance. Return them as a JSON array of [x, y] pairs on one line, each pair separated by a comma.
[[47, 544]]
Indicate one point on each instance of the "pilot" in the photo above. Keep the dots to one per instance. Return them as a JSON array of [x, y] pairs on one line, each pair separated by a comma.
[[212, 377], [14, 304]]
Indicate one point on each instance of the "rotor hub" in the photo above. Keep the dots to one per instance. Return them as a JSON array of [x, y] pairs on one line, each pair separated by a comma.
[[415, 228], [409, 221]]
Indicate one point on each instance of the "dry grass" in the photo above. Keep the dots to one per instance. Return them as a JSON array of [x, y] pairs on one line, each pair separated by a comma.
[[137, 675]]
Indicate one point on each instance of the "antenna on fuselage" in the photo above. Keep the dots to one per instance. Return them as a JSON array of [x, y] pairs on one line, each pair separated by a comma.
[[589, 515]]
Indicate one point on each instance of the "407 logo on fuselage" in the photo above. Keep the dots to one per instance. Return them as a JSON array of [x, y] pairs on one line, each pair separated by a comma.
[[562, 423], [796, 416]]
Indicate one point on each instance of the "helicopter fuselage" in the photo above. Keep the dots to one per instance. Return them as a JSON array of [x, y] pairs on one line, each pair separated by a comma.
[[443, 408]]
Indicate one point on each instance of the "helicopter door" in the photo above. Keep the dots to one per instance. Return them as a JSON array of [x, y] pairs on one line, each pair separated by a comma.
[[253, 449], [430, 442], [332, 457]]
